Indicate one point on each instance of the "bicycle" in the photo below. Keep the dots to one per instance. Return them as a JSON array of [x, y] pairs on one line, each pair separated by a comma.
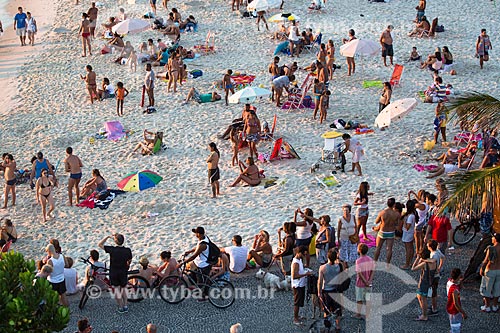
[[465, 232], [174, 289], [134, 286]]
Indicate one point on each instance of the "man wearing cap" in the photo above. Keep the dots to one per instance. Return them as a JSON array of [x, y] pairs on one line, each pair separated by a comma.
[[386, 42], [199, 256], [120, 258]]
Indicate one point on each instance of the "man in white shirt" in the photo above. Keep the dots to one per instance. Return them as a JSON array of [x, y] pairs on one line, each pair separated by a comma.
[[237, 255], [149, 83]]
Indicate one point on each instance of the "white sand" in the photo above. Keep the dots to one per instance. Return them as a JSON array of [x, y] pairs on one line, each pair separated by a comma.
[[48, 110]]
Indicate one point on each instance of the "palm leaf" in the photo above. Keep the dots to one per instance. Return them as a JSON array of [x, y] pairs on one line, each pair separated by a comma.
[[469, 190], [476, 108]]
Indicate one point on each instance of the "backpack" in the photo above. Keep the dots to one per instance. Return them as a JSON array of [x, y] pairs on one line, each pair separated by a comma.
[[196, 73], [345, 284], [333, 241], [213, 253], [312, 284]]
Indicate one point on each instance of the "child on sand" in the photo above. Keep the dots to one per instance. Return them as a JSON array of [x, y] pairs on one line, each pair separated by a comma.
[[132, 61], [414, 56], [121, 92], [323, 101], [235, 142]]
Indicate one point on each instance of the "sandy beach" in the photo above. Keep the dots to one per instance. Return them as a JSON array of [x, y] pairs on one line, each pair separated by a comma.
[[45, 108]]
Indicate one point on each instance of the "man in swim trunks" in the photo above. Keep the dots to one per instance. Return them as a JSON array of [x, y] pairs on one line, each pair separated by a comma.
[[92, 13], [386, 42], [202, 98], [85, 33], [388, 219], [227, 83], [153, 6], [90, 82], [73, 165], [9, 166]]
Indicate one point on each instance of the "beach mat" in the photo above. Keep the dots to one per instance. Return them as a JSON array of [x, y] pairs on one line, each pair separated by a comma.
[[372, 84], [371, 242]]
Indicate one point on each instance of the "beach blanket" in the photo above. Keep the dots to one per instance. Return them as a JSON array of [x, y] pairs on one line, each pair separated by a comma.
[[93, 201], [329, 181], [372, 84], [420, 167], [370, 242], [421, 95], [272, 181], [360, 131], [196, 56]]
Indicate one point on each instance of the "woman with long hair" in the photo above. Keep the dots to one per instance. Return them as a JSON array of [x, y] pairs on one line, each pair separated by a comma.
[[96, 184], [410, 218], [249, 174], [44, 186], [362, 202], [213, 169]]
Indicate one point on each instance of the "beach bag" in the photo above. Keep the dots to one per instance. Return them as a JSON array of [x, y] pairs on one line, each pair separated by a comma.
[[440, 28], [196, 73], [312, 284], [213, 253]]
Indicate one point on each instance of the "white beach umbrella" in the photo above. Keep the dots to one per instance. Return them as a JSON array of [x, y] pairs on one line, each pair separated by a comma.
[[131, 26], [360, 47], [395, 111], [248, 95], [260, 5]]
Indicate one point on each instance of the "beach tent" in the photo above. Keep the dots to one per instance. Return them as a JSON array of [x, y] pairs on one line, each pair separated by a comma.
[[114, 130]]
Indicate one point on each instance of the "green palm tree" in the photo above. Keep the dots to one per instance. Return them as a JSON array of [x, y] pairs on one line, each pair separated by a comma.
[[467, 190]]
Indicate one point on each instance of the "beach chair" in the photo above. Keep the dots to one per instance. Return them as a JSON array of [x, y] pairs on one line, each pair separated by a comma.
[[209, 46], [397, 74], [432, 31], [314, 46], [296, 99]]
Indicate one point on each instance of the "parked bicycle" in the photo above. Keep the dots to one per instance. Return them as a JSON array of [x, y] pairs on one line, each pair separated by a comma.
[[465, 232], [99, 277], [174, 289]]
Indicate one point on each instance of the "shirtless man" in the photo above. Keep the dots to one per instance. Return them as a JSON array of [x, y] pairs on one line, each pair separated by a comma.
[[323, 74], [92, 13], [85, 33], [388, 219], [274, 70], [73, 165], [386, 42], [420, 10], [173, 72], [90, 82], [9, 166], [227, 84]]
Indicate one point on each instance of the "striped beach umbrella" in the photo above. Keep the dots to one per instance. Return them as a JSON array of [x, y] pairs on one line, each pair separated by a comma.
[[139, 181]]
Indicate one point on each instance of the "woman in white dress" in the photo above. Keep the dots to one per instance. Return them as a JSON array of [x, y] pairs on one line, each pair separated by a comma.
[[31, 28]]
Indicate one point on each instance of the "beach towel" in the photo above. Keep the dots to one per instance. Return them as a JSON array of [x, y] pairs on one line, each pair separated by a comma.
[[328, 181], [241, 81], [281, 47], [420, 167], [196, 56], [372, 84], [93, 200], [360, 131], [370, 242], [421, 95], [272, 181], [114, 130]]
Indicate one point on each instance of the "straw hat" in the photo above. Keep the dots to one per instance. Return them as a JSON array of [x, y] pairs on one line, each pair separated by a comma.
[[144, 261]]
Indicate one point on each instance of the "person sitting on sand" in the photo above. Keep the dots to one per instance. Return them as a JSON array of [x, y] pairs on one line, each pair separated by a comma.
[[146, 270], [202, 98], [414, 56], [168, 266], [189, 24], [491, 159], [261, 251], [281, 34], [173, 32], [110, 24], [420, 27], [249, 174], [117, 42], [125, 52], [97, 184], [149, 142], [107, 90], [8, 231], [434, 62], [221, 269]]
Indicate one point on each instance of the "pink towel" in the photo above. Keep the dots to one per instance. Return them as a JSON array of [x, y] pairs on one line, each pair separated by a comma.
[[420, 167], [371, 242]]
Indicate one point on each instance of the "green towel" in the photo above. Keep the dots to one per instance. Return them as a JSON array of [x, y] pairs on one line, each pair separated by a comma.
[[421, 94], [157, 146], [372, 84]]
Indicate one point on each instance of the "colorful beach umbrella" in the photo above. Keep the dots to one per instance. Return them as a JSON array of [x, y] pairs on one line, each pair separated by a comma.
[[139, 181]]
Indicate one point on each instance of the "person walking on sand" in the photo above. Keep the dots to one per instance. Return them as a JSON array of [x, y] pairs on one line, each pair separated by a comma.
[[85, 33], [92, 13], [386, 42], [44, 187], [228, 84], [355, 147], [260, 16], [351, 65], [121, 92], [483, 45], [20, 25], [152, 3], [213, 169], [73, 165], [149, 83], [120, 258], [388, 219], [9, 166], [90, 82], [31, 28]]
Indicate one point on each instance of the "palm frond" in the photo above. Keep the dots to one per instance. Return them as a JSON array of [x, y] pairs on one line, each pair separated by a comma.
[[474, 108], [469, 190]]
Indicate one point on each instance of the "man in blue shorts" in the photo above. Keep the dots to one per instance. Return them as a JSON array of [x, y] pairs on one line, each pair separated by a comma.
[[20, 25]]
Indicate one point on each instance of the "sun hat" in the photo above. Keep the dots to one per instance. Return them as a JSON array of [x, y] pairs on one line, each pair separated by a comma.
[[143, 261]]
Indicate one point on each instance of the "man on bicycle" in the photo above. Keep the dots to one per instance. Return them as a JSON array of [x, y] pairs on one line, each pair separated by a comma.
[[120, 258], [199, 257]]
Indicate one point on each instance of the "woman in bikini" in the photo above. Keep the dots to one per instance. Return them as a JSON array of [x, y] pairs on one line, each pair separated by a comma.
[[322, 54], [96, 184], [173, 72], [330, 57], [249, 174], [44, 186], [85, 33], [251, 130]]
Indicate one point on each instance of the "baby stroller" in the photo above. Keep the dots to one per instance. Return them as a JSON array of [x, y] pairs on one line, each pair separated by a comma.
[[331, 153]]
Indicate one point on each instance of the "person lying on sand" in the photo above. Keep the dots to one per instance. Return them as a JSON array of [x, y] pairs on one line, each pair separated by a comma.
[[250, 174], [464, 160], [202, 98]]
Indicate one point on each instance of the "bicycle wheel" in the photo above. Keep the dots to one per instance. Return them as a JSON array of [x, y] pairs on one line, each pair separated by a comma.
[[172, 289], [221, 294], [137, 287], [85, 295], [464, 233]]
